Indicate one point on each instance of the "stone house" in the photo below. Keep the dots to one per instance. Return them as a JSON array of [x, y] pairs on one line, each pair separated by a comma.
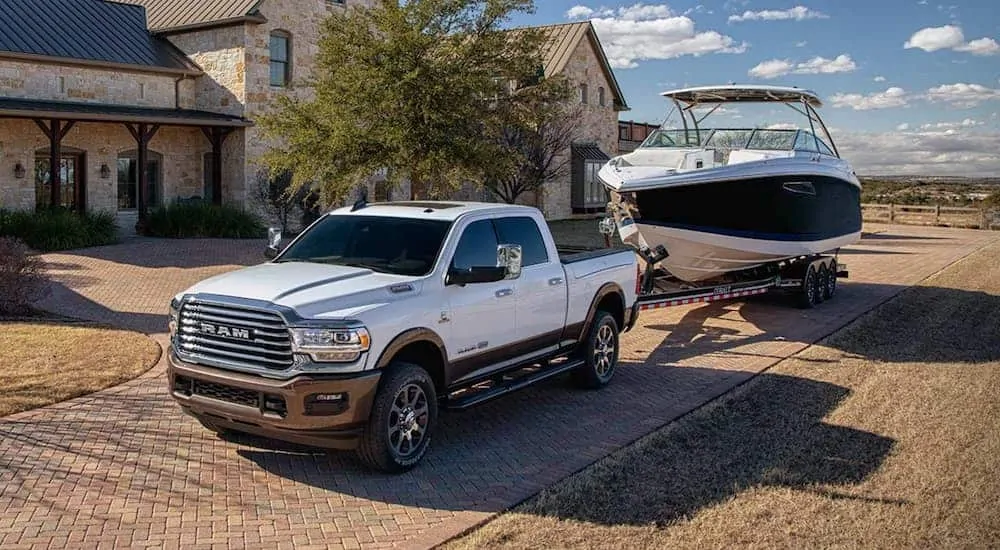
[[175, 85]]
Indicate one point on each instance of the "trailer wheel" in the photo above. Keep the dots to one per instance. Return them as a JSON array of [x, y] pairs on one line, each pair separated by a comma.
[[830, 288], [809, 289], [822, 275]]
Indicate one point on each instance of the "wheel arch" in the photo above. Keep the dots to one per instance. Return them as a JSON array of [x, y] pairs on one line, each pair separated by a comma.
[[609, 297], [422, 347]]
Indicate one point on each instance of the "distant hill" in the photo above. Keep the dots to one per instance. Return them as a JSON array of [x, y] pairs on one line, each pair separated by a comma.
[[931, 190]]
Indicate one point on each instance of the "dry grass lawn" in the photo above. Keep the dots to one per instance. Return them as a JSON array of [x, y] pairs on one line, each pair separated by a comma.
[[883, 435], [44, 362]]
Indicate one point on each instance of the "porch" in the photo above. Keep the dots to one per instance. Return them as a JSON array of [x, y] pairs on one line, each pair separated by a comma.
[[84, 156]]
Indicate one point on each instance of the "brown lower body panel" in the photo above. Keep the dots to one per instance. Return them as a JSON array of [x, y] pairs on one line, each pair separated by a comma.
[[286, 410]]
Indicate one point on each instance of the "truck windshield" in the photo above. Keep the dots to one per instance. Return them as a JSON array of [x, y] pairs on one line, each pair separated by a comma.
[[401, 246]]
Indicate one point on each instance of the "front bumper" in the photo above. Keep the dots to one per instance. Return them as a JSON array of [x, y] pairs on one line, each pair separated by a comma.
[[281, 409]]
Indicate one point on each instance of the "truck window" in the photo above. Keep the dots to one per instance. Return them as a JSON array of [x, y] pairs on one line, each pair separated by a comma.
[[524, 231], [477, 247], [402, 246]]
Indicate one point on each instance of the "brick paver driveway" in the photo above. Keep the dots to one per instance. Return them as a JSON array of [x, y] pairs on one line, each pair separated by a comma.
[[125, 468]]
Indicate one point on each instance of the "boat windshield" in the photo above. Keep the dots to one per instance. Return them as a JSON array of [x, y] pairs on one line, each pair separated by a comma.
[[772, 139]]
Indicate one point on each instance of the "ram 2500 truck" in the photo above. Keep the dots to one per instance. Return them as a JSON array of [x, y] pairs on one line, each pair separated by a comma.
[[376, 316]]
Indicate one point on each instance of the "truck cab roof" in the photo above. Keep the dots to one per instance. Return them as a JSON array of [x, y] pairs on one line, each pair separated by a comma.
[[433, 210]]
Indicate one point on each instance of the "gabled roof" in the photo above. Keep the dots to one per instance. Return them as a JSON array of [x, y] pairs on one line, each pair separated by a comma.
[[563, 40], [175, 15], [90, 32]]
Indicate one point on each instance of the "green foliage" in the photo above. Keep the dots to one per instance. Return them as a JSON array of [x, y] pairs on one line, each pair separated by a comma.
[[196, 219], [59, 229], [412, 88]]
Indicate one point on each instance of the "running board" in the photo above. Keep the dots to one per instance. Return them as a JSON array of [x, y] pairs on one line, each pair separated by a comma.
[[504, 387]]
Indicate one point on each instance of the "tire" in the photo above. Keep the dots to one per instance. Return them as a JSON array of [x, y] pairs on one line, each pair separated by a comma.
[[404, 410], [831, 283], [821, 278], [807, 292], [599, 353]]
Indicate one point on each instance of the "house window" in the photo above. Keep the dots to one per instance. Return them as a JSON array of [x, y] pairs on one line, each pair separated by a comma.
[[600, 96], [128, 180], [281, 59], [623, 133], [593, 191], [383, 192], [583, 94]]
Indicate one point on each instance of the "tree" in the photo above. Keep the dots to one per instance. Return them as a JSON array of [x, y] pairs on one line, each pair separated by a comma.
[[274, 193], [537, 131], [409, 88]]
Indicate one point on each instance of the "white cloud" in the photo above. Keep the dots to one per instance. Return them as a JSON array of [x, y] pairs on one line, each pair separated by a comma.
[[798, 13], [783, 126], [801, 44], [950, 37], [903, 127], [771, 69], [579, 12], [952, 152], [879, 78], [892, 97], [963, 95], [967, 123], [634, 33], [980, 46], [817, 65]]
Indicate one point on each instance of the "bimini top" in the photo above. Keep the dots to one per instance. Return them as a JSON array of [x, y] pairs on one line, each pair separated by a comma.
[[734, 93]]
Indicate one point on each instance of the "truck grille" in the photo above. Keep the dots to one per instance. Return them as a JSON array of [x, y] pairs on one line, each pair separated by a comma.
[[266, 403], [226, 335]]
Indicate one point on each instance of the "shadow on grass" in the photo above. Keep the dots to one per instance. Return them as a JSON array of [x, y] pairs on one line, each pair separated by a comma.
[[769, 434]]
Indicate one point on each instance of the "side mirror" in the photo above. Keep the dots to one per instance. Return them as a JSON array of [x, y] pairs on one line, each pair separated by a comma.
[[509, 257], [273, 241]]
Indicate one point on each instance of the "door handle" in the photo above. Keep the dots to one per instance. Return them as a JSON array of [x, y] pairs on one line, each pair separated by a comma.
[[503, 292], [555, 281]]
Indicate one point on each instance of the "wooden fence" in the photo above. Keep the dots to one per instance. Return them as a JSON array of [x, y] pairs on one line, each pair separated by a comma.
[[948, 216]]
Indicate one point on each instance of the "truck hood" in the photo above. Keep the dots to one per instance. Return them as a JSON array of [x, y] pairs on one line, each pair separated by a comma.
[[314, 291]]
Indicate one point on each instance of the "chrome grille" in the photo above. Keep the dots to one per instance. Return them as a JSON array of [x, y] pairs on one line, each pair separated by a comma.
[[226, 335]]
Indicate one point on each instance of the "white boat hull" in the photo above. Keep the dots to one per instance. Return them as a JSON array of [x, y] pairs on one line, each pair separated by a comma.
[[697, 256]]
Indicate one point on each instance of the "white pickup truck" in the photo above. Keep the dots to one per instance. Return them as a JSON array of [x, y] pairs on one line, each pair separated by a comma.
[[355, 334]]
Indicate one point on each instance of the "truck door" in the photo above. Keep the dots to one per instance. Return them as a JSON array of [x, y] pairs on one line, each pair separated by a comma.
[[541, 289], [481, 315]]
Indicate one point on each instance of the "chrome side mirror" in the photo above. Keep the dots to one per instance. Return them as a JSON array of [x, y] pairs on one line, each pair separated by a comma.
[[273, 242], [509, 258]]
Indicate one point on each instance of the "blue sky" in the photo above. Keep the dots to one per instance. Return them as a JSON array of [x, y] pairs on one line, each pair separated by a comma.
[[920, 78]]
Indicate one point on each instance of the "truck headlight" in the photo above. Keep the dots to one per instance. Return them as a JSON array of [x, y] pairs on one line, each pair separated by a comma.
[[331, 345], [175, 307]]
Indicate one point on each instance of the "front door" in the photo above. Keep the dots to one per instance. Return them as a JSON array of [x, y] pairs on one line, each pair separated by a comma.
[[71, 184], [481, 316]]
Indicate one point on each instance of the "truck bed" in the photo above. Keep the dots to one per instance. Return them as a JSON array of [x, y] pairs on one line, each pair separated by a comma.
[[572, 254]]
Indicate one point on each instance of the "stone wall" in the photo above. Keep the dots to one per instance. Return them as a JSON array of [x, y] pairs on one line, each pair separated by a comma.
[[182, 150], [221, 54], [92, 85], [596, 124]]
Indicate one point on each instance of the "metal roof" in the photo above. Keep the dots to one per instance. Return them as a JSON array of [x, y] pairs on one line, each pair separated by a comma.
[[562, 41], [166, 15], [99, 112], [88, 31], [750, 93]]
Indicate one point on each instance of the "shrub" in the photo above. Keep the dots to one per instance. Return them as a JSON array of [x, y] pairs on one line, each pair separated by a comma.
[[203, 219], [21, 279], [59, 229]]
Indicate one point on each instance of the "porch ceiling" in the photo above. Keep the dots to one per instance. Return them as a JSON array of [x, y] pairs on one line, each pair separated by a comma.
[[98, 112]]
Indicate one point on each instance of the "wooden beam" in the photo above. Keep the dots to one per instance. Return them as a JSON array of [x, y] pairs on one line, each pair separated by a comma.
[[65, 129], [45, 128], [133, 131], [55, 152], [142, 178], [217, 137]]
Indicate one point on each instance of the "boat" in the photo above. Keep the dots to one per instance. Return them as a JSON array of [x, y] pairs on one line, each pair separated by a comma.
[[706, 202]]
